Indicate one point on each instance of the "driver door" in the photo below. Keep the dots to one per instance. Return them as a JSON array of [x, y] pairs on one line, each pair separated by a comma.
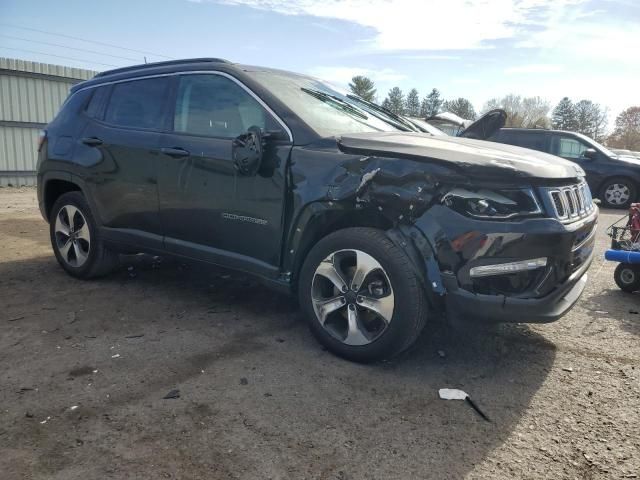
[[208, 210]]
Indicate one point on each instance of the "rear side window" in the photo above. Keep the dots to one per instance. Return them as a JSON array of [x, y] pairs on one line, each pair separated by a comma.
[[138, 103], [534, 141], [96, 104], [215, 106]]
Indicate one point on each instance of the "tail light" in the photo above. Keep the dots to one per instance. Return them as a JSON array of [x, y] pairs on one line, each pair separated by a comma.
[[42, 136]]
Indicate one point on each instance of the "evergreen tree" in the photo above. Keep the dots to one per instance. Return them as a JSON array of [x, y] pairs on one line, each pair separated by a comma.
[[461, 107], [395, 101], [412, 107], [431, 104], [564, 115], [386, 104], [591, 119], [363, 87]]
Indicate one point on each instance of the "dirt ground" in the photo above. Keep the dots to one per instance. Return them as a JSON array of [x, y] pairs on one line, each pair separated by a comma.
[[85, 367]]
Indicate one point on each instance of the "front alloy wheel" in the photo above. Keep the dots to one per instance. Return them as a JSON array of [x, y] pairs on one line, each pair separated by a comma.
[[361, 295], [352, 297]]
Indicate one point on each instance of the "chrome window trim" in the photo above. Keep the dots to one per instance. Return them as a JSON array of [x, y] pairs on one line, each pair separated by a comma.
[[201, 72]]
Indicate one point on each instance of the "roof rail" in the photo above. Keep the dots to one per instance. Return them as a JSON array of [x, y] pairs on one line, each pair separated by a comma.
[[161, 64]]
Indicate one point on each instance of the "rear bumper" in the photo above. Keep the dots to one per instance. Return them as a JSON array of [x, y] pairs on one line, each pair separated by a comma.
[[463, 305]]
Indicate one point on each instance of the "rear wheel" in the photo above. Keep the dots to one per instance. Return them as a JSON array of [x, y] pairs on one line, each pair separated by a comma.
[[627, 277], [618, 192], [361, 297], [76, 240]]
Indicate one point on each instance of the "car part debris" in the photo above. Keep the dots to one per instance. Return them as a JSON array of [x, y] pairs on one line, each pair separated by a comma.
[[172, 394], [455, 394]]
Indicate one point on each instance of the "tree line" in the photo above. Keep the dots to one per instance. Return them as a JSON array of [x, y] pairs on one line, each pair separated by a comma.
[[582, 116]]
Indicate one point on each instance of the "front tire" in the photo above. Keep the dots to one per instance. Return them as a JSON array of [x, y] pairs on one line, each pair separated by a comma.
[[75, 239], [627, 277], [361, 296], [618, 192]]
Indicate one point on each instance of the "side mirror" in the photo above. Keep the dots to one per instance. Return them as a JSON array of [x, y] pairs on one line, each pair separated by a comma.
[[247, 150], [590, 153]]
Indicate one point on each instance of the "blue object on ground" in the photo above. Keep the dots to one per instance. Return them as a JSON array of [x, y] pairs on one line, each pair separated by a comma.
[[623, 256]]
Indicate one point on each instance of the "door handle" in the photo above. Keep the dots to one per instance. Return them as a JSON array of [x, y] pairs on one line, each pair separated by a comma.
[[175, 152], [92, 141]]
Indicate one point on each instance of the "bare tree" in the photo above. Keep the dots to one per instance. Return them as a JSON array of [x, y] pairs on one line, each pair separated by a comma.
[[627, 130], [527, 112]]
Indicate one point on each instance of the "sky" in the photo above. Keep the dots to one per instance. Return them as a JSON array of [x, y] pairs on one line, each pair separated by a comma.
[[583, 49]]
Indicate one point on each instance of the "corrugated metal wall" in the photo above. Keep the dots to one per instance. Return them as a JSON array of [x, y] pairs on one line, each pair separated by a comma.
[[30, 95]]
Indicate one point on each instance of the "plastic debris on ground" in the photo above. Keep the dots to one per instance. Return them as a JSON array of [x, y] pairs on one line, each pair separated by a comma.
[[455, 394], [172, 394]]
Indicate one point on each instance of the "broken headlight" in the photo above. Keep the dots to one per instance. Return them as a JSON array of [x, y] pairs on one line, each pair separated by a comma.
[[493, 204]]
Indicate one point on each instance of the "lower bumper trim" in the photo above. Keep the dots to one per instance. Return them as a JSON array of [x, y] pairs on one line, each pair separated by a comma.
[[464, 305]]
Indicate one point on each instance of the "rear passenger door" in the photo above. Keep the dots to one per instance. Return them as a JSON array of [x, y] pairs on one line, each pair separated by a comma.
[[209, 211], [122, 144]]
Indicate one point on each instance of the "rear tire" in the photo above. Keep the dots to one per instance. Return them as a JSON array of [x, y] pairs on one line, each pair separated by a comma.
[[75, 239], [618, 192], [384, 307], [627, 277]]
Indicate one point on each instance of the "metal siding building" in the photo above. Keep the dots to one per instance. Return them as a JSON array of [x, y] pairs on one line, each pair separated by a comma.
[[30, 95]]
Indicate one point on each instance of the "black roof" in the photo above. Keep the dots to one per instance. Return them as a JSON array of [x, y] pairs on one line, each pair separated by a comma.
[[167, 63], [154, 68]]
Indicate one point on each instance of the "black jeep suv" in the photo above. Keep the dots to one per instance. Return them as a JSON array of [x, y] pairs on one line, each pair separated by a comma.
[[613, 178], [281, 176]]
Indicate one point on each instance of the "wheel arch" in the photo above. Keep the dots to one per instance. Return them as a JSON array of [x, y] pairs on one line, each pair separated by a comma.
[[53, 189], [317, 221]]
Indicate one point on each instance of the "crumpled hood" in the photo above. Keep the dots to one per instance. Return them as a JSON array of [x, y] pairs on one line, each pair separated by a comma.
[[471, 157]]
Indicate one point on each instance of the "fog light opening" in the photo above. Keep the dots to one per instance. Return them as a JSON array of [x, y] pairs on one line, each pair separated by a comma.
[[510, 267]]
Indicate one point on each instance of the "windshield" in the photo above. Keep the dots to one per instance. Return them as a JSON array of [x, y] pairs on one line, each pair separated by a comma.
[[323, 107], [427, 127]]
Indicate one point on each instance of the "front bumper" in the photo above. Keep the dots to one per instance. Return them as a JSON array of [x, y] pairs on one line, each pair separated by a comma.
[[464, 305], [538, 296]]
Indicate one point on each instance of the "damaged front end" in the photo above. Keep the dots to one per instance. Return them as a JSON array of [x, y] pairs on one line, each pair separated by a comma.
[[486, 240]]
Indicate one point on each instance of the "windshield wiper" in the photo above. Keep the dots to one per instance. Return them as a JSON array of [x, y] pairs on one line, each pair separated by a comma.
[[392, 118], [336, 102]]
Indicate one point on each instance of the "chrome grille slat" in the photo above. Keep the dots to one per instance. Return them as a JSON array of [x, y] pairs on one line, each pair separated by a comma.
[[571, 202]]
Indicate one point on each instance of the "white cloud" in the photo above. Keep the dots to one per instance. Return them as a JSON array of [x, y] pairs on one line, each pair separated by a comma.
[[343, 75], [535, 68], [422, 25]]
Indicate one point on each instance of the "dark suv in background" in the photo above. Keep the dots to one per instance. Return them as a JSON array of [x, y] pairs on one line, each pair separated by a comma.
[[372, 225], [613, 178]]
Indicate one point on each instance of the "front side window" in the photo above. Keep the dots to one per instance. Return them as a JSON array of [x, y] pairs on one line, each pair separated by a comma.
[[138, 103], [568, 147], [215, 106]]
